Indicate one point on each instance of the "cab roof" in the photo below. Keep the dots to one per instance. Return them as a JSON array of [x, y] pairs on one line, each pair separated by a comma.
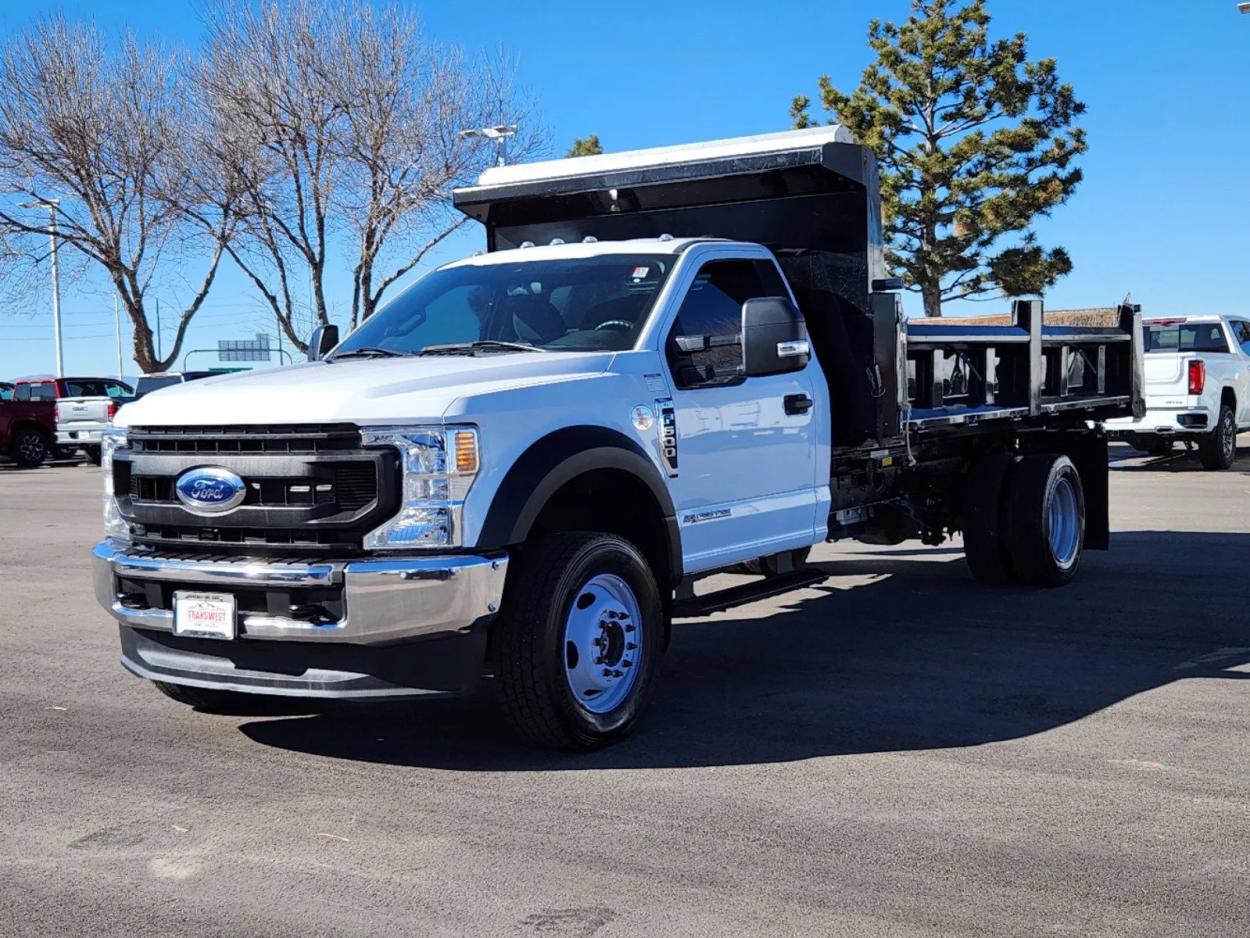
[[580, 249]]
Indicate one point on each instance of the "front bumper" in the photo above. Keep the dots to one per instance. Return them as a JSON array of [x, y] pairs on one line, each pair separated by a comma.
[[382, 600], [319, 629]]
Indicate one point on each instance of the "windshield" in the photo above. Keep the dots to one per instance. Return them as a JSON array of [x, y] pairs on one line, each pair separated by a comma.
[[593, 303], [1184, 337], [147, 385]]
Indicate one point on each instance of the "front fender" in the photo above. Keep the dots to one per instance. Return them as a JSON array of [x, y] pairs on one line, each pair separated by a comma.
[[558, 458]]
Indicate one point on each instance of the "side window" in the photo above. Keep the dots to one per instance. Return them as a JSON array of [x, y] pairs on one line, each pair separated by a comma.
[[45, 391], [713, 309], [21, 392], [1241, 333]]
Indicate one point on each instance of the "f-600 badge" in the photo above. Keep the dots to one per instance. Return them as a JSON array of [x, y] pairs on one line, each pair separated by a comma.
[[668, 436]]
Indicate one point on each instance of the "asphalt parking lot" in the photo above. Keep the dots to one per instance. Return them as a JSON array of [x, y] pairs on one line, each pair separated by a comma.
[[894, 751]]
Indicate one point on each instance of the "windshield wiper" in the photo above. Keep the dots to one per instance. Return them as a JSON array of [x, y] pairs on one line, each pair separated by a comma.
[[488, 345], [370, 351]]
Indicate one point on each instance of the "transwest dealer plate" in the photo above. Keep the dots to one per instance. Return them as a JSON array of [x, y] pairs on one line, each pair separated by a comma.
[[204, 615]]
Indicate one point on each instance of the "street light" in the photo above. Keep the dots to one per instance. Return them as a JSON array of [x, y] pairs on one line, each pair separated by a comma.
[[499, 133], [50, 205]]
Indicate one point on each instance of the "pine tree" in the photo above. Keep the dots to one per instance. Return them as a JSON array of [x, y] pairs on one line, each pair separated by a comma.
[[974, 141], [585, 146]]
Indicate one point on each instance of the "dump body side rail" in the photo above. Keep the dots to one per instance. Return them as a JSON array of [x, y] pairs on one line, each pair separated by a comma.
[[1037, 365]]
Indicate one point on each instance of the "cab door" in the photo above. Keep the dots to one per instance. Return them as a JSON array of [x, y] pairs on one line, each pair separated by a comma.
[[744, 465]]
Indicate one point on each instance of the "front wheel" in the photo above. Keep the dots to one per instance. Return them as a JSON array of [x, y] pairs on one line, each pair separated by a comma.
[[1219, 448], [578, 641]]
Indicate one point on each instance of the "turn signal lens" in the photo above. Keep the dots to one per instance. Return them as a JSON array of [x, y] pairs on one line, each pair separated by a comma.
[[466, 452], [1197, 376]]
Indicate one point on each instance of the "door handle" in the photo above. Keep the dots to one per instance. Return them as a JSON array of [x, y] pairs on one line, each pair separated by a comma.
[[797, 403]]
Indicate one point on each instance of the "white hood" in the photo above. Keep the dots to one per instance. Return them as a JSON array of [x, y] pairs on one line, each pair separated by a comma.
[[363, 391]]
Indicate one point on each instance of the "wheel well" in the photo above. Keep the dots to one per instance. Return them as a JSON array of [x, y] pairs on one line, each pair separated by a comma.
[[30, 425], [1227, 397], [611, 501]]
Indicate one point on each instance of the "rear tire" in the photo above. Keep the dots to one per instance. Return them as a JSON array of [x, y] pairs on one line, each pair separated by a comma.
[[579, 639], [30, 448], [985, 548], [93, 455], [1218, 449], [1045, 520]]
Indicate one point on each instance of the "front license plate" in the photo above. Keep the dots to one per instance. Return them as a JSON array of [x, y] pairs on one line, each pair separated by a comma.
[[204, 615]]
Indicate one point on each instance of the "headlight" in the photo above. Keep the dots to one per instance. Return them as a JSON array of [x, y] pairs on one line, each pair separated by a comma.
[[115, 526], [439, 464]]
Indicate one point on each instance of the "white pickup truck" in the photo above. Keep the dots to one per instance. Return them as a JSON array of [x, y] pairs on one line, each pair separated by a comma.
[[670, 362], [1197, 371], [85, 410]]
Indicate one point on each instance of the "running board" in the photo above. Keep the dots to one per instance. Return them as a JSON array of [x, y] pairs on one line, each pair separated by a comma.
[[695, 606]]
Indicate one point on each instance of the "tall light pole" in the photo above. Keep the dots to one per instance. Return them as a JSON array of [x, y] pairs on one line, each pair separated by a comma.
[[117, 332], [499, 133], [50, 205]]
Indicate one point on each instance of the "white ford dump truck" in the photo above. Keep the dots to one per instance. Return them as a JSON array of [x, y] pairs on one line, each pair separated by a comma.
[[669, 362]]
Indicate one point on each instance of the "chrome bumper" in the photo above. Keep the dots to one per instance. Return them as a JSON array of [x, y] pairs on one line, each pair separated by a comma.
[[85, 436], [384, 600]]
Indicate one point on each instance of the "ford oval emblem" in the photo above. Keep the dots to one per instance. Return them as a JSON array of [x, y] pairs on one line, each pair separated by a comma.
[[210, 490]]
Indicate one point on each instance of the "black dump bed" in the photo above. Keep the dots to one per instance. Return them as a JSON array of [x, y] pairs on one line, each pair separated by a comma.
[[811, 196]]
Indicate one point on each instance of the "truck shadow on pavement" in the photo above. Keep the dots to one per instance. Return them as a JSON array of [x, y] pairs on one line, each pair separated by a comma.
[[919, 658]]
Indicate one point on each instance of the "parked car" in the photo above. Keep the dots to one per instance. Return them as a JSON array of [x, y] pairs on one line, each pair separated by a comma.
[[84, 408], [523, 463], [164, 379], [27, 431], [6, 390], [1197, 387]]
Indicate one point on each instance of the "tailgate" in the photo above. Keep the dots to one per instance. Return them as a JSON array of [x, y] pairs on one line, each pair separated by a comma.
[[87, 411], [1167, 374]]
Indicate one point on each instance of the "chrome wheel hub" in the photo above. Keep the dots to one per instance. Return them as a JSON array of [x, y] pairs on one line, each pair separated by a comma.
[[1064, 523], [1230, 438], [603, 643]]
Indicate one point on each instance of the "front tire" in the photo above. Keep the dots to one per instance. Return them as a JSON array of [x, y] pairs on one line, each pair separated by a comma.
[[29, 449], [1218, 448], [579, 639], [1045, 520]]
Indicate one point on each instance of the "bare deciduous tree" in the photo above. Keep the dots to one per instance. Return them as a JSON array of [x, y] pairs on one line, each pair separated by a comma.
[[340, 119], [98, 134]]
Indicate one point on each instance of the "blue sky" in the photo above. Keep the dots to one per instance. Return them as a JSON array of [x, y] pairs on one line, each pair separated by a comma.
[[1162, 211]]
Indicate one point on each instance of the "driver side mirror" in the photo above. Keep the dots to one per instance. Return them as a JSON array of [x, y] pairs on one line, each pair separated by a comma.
[[774, 337], [324, 338]]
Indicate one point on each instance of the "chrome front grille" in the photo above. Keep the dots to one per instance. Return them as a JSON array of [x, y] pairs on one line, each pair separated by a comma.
[[308, 487]]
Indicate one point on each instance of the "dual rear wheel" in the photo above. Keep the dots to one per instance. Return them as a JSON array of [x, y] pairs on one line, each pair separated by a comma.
[[1024, 519]]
